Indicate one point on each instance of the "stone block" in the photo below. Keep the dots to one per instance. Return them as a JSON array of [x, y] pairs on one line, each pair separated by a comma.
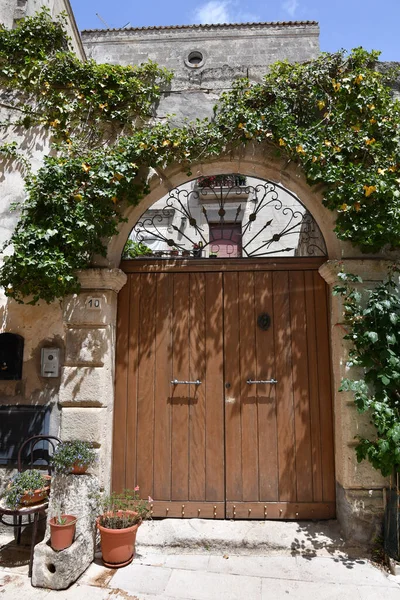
[[85, 424], [360, 514], [86, 386], [77, 311], [87, 346], [75, 495]]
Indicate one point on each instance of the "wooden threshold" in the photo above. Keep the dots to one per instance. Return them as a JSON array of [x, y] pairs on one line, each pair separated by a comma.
[[195, 265], [281, 510], [188, 510]]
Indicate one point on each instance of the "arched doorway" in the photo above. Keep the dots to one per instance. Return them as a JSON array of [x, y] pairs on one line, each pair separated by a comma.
[[223, 397]]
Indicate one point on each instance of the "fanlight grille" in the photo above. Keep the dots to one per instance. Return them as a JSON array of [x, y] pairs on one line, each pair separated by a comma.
[[225, 217]]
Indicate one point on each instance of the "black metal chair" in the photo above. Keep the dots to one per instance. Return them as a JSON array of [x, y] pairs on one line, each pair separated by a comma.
[[17, 514]]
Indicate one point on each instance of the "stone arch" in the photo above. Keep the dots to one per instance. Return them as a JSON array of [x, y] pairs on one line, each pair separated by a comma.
[[254, 160]]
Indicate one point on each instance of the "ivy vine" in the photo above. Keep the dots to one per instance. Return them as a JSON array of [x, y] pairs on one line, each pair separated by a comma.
[[334, 116], [373, 329]]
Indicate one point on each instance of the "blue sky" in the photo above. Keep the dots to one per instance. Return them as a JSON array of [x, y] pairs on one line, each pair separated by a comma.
[[374, 24]]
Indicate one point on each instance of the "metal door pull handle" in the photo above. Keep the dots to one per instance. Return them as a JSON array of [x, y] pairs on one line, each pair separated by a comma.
[[175, 382], [250, 381]]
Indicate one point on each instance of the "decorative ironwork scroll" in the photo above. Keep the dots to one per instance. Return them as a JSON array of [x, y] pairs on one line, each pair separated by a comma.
[[223, 216]]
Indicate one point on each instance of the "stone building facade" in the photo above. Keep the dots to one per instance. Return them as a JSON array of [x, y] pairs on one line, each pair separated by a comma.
[[205, 60]]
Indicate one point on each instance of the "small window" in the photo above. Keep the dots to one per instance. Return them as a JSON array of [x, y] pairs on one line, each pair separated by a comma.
[[195, 59]]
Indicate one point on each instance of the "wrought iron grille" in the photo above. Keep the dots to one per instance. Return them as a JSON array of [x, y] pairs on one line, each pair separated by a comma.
[[229, 218]]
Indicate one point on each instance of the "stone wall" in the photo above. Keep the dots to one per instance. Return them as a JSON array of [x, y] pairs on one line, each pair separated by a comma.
[[229, 52]]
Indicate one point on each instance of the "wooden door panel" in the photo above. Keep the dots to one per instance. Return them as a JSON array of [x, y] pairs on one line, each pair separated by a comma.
[[121, 389], [324, 380], [146, 385], [133, 357], [180, 394], [197, 371], [162, 392], [284, 389], [304, 487], [233, 424], [214, 389], [266, 397], [248, 397], [267, 450], [282, 468]]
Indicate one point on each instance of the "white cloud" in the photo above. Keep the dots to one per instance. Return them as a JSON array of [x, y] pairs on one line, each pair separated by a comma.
[[223, 11], [214, 11], [290, 6]]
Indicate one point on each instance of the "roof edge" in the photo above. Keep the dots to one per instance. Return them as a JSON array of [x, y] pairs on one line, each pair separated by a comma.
[[205, 26]]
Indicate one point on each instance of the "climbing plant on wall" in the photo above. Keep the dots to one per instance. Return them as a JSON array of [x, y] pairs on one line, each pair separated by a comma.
[[333, 116], [372, 318]]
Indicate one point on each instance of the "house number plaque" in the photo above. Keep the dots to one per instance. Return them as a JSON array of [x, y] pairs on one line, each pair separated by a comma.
[[93, 303]]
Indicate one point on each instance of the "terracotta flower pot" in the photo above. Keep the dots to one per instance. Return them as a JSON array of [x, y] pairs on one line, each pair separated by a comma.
[[118, 545], [36, 496], [61, 536], [78, 469]]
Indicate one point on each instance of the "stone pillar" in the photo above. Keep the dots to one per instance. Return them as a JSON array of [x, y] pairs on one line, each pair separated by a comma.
[[360, 502], [75, 495], [87, 380]]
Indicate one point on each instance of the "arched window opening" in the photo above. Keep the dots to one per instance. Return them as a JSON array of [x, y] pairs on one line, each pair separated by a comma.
[[226, 216]]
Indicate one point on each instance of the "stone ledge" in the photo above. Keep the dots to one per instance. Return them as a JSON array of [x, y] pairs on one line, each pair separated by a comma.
[[102, 279], [367, 269]]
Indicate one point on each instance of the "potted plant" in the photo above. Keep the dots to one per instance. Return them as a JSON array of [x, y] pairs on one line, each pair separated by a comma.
[[121, 516], [28, 487], [62, 530], [73, 457]]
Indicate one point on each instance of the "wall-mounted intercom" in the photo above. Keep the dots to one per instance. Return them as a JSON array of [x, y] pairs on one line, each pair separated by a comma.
[[11, 355], [50, 364]]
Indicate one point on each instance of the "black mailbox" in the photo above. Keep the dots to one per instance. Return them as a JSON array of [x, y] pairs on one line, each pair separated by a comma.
[[11, 355]]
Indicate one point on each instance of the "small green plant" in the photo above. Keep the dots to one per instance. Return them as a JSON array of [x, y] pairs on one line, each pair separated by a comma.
[[123, 510], [70, 454], [134, 249], [23, 483]]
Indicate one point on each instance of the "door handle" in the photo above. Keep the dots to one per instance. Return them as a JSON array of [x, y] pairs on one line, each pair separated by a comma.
[[252, 381], [175, 382]]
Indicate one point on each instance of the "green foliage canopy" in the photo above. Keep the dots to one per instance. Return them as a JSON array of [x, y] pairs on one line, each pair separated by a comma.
[[373, 329], [334, 116]]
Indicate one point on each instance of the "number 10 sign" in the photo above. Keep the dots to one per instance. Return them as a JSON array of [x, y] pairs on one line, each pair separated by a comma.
[[93, 303]]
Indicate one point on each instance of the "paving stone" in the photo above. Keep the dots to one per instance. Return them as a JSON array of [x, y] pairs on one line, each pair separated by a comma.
[[274, 589], [378, 593], [140, 578], [343, 570], [190, 562], [256, 566], [195, 585]]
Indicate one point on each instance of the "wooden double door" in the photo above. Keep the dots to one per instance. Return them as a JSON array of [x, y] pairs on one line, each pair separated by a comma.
[[196, 426]]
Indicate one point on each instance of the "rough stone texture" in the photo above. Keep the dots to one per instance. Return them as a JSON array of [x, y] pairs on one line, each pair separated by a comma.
[[239, 537], [367, 269], [102, 279], [233, 45], [84, 424], [360, 513], [86, 386], [75, 495], [86, 346], [77, 312]]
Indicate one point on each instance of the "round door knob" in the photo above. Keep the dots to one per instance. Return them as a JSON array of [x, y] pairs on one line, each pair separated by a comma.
[[227, 385]]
